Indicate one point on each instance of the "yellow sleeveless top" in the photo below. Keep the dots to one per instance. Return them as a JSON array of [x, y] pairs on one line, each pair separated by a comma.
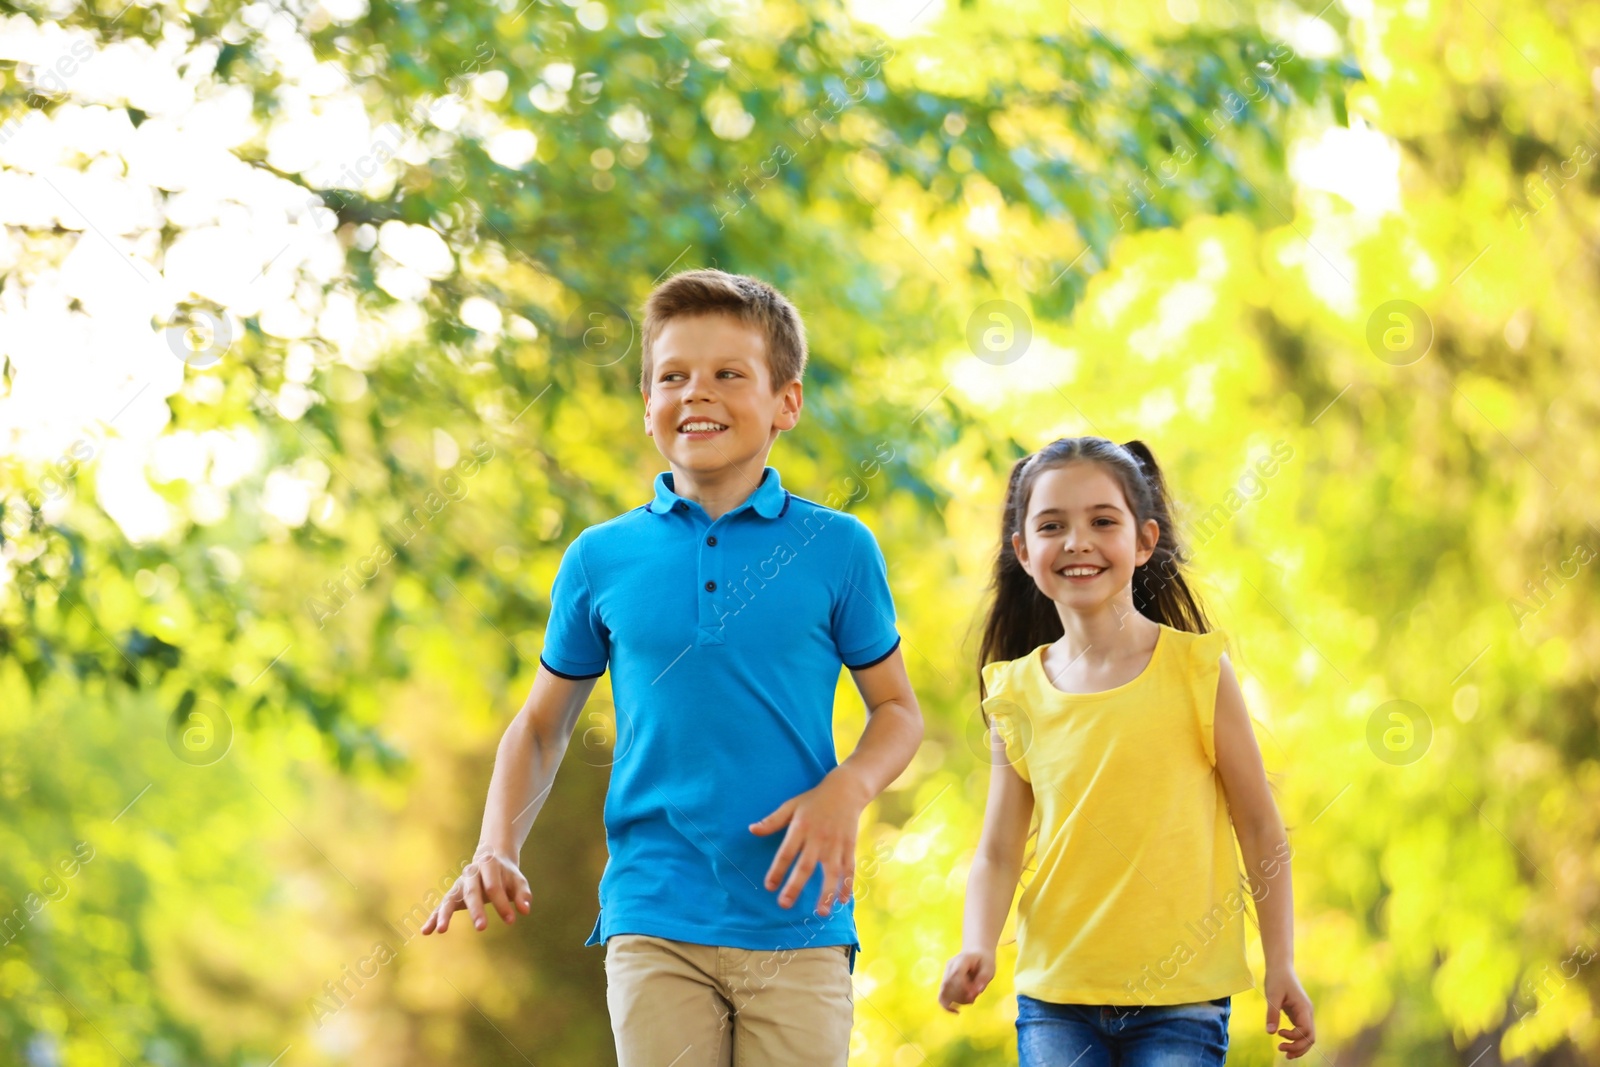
[[1136, 897]]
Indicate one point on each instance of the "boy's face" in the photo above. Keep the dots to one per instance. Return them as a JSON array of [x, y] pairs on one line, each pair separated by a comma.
[[712, 371]]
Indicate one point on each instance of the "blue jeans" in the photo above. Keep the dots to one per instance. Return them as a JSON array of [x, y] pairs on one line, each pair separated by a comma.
[[1095, 1035]]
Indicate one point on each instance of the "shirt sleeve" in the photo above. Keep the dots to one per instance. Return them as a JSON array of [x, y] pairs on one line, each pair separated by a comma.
[[577, 644], [862, 621], [1205, 669], [1008, 717]]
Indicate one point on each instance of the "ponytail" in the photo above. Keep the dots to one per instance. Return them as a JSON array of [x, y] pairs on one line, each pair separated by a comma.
[[1159, 589]]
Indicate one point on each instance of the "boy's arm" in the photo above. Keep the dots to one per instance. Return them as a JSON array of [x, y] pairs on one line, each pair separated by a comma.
[[524, 770], [823, 821]]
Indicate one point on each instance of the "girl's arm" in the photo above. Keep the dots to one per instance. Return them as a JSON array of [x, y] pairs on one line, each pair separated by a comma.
[[992, 882], [1265, 846]]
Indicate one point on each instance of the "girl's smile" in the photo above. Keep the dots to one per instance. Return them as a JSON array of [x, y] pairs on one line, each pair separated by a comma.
[[1081, 573]]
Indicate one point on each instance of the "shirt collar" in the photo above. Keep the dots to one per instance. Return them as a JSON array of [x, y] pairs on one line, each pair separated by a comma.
[[767, 500]]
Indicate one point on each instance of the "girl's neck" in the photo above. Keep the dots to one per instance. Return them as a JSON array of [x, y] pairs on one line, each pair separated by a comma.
[[1106, 634]]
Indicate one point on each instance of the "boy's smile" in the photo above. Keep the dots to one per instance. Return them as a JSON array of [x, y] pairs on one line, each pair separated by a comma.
[[711, 406], [698, 428]]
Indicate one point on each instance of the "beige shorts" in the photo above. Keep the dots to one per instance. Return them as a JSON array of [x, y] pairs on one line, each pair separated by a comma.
[[677, 1004]]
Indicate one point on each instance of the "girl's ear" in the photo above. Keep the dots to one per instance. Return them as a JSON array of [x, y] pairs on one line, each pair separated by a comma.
[[1149, 535], [1020, 547]]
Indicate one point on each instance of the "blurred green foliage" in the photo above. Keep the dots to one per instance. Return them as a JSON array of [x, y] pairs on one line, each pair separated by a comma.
[[1125, 179]]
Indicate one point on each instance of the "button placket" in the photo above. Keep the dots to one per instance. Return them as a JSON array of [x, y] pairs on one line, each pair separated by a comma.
[[711, 587]]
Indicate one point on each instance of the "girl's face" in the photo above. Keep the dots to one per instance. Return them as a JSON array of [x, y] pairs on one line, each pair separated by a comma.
[[1079, 541]]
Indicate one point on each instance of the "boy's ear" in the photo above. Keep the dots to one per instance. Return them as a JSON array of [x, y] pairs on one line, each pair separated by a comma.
[[789, 410]]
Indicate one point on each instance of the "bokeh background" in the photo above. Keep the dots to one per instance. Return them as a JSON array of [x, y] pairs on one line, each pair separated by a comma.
[[319, 338]]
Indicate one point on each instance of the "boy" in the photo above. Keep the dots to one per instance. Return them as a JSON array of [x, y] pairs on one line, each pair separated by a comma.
[[723, 608]]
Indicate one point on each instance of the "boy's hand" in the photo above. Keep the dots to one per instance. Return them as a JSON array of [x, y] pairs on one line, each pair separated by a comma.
[[490, 876], [1284, 992], [822, 829], [965, 976]]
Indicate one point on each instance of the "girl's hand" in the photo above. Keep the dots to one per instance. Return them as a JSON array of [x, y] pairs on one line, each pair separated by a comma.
[[490, 876], [965, 976], [1285, 993]]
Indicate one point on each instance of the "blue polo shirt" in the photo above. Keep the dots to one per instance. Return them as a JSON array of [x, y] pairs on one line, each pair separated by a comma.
[[724, 640]]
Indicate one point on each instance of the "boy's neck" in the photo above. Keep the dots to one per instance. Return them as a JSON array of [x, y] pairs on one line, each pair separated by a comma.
[[721, 490]]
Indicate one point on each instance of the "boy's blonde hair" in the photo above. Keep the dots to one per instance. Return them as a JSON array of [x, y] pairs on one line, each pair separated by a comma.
[[749, 300]]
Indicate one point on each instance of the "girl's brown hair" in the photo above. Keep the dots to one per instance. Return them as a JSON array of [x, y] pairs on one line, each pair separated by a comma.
[[1022, 618]]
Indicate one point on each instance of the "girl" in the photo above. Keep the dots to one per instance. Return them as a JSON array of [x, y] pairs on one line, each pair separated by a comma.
[[1118, 724]]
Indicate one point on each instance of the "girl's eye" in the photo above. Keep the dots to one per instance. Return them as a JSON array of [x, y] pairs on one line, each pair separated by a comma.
[[1047, 527]]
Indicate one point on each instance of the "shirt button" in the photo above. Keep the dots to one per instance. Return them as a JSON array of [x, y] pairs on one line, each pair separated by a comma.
[[711, 587], [712, 541]]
